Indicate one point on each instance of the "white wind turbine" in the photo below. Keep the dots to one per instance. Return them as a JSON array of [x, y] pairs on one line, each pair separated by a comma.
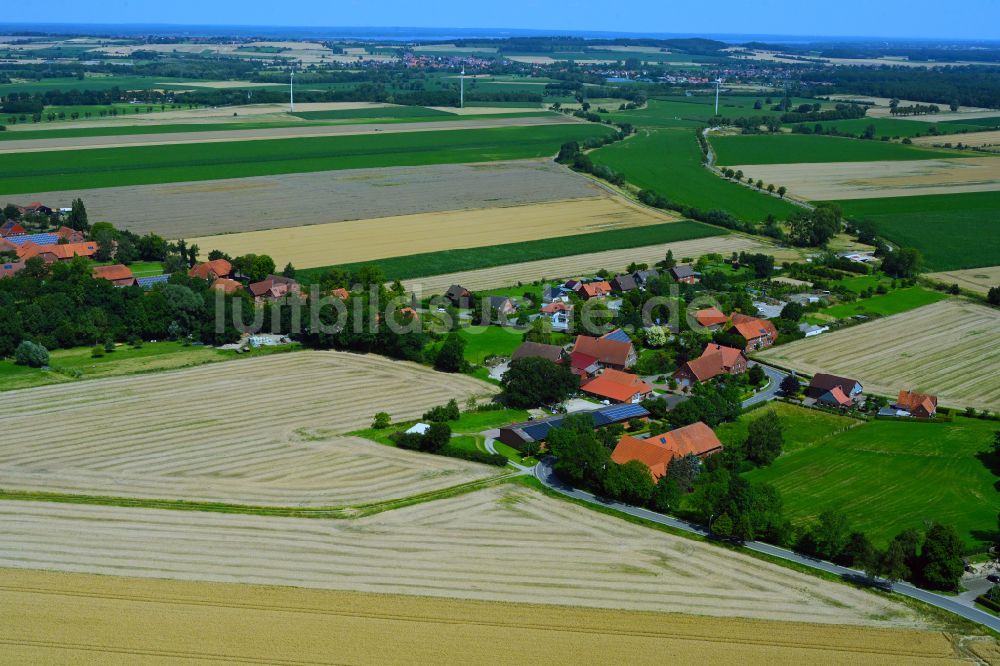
[[718, 83], [461, 89], [291, 91]]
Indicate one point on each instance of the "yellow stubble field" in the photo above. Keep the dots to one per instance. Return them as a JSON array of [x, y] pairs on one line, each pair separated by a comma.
[[85, 619], [400, 235]]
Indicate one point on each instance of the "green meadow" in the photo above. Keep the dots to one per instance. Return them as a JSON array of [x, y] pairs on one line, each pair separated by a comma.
[[886, 476], [450, 261], [884, 305], [669, 162], [144, 165], [799, 148], [952, 231]]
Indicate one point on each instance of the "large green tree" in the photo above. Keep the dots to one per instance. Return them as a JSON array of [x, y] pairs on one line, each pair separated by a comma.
[[765, 437], [533, 381], [942, 558]]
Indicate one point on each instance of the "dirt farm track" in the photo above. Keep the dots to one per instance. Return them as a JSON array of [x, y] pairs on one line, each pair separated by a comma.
[[219, 435], [43, 615], [179, 210]]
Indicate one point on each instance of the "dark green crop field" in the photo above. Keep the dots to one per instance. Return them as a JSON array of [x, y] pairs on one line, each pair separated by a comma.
[[669, 162], [450, 261], [144, 165], [797, 148], [893, 127], [952, 231]]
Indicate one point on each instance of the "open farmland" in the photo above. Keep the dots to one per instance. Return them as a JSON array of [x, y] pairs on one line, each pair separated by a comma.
[[982, 139], [178, 210], [801, 148], [950, 349], [669, 162], [581, 264], [979, 280], [881, 179], [505, 543], [43, 615], [953, 231], [236, 133], [143, 165], [215, 434], [363, 240]]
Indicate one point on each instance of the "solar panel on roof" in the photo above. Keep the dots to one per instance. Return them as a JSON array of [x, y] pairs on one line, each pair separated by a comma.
[[619, 335], [37, 239]]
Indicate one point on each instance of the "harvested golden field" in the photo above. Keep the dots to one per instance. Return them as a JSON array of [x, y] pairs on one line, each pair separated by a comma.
[[179, 210], [363, 240], [83, 619], [299, 131], [503, 543], [979, 280], [869, 180], [582, 264], [991, 138], [260, 431], [950, 349]]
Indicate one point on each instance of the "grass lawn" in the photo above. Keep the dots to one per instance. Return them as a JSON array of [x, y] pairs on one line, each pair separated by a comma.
[[802, 427], [125, 360], [450, 261], [668, 161], [475, 422], [892, 303], [952, 231], [141, 268], [482, 342], [887, 476], [143, 165], [798, 148], [862, 282]]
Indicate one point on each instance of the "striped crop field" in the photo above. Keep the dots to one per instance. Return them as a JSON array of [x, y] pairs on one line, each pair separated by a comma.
[[261, 431], [950, 349], [504, 543], [99, 617]]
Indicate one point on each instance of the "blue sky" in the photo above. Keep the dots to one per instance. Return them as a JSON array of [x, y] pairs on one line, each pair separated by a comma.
[[971, 19]]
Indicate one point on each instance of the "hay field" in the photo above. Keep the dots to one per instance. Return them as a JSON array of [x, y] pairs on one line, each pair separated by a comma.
[[870, 180], [582, 264], [990, 138], [950, 348], [303, 131], [979, 280], [260, 431], [178, 210], [504, 543], [401, 235], [44, 613]]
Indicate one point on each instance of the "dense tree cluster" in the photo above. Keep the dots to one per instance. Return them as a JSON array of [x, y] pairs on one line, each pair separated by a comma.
[[534, 381]]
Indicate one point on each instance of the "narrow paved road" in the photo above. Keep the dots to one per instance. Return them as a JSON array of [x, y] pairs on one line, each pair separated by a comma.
[[774, 377], [543, 472]]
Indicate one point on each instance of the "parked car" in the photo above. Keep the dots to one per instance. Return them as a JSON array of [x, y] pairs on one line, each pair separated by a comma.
[[993, 578]]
